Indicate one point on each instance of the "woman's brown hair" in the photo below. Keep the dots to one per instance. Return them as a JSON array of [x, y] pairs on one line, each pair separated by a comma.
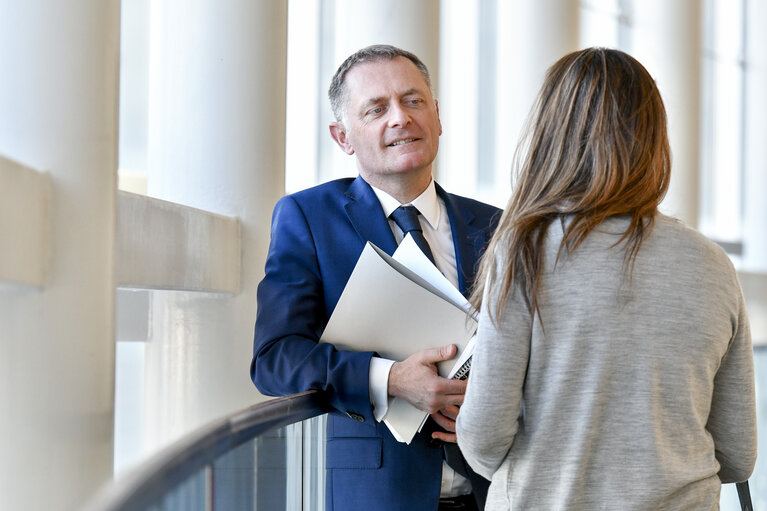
[[595, 146]]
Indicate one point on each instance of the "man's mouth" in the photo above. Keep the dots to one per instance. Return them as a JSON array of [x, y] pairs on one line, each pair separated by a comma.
[[403, 141]]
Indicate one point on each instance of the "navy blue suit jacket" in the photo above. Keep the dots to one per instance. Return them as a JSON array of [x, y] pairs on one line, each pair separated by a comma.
[[317, 237]]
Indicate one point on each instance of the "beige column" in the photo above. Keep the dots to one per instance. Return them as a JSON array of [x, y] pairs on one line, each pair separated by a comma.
[[459, 93], [58, 115], [413, 26], [216, 142], [531, 37], [667, 40]]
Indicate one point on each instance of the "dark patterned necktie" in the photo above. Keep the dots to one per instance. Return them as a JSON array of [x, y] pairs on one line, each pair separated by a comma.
[[406, 217]]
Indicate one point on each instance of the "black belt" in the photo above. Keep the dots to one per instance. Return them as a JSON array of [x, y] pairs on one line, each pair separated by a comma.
[[460, 503]]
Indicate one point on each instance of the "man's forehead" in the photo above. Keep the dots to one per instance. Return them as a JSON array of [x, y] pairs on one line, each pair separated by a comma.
[[384, 77]]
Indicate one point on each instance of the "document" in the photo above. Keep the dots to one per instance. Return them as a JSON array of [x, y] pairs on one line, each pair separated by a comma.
[[397, 306]]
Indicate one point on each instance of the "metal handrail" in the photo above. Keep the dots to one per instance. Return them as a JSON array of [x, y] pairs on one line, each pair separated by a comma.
[[150, 480]]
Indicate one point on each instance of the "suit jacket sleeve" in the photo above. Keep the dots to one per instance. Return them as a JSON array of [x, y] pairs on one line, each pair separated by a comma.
[[287, 355]]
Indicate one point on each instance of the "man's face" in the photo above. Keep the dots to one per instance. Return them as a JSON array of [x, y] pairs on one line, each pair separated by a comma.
[[391, 120]]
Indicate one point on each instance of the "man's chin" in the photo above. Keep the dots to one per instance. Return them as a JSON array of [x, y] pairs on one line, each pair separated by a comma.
[[409, 171], [411, 162]]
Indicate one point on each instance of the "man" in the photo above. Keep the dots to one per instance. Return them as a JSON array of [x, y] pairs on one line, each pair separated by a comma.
[[386, 117]]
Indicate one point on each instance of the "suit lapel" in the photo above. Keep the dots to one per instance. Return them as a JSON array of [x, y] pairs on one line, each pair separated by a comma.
[[365, 214], [468, 241]]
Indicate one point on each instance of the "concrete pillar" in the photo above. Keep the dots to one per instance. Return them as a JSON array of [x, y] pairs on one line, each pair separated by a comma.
[[58, 114], [531, 37], [413, 26], [216, 142], [459, 96], [666, 39], [308, 112], [755, 157]]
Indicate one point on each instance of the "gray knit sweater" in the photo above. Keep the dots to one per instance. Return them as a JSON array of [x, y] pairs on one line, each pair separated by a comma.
[[624, 394]]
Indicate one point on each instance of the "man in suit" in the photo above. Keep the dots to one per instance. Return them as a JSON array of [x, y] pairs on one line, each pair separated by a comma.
[[387, 117]]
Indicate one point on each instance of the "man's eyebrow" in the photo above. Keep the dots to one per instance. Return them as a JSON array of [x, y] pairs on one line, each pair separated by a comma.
[[383, 99], [373, 101], [412, 91]]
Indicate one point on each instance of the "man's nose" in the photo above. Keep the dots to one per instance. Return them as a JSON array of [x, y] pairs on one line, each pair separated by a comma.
[[398, 116]]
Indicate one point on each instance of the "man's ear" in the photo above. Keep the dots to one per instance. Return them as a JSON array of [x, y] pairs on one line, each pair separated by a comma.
[[436, 105], [338, 132]]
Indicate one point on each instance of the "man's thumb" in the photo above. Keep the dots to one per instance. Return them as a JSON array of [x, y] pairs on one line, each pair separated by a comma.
[[447, 352]]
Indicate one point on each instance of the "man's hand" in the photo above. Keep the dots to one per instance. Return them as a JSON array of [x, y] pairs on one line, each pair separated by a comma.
[[446, 420], [416, 379]]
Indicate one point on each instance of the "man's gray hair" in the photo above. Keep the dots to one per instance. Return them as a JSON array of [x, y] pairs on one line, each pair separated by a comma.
[[337, 93]]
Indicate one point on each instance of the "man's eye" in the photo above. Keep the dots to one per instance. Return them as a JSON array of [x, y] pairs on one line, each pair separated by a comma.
[[376, 111], [415, 101]]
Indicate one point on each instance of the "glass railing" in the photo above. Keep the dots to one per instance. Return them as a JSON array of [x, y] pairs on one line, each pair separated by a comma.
[[268, 457]]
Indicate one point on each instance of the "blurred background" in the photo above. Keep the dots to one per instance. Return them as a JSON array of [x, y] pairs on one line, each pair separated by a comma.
[[143, 144]]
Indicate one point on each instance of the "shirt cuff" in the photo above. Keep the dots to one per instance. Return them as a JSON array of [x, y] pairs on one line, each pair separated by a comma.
[[379, 386]]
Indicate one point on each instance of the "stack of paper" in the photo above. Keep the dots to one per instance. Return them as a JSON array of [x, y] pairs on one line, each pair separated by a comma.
[[397, 306]]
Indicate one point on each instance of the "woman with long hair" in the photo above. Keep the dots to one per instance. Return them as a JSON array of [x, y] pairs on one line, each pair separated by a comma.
[[613, 367]]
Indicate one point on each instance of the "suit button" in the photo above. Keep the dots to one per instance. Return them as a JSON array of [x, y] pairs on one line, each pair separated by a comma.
[[356, 416]]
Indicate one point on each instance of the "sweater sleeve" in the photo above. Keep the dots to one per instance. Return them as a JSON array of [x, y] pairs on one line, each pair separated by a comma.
[[732, 420], [488, 420]]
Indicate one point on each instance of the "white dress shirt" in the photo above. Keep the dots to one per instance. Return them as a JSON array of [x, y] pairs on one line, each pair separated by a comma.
[[436, 229]]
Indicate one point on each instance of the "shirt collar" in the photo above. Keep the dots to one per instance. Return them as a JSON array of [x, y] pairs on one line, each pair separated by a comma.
[[427, 203]]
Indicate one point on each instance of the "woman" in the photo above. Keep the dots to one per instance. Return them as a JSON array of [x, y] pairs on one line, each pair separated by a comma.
[[613, 366]]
